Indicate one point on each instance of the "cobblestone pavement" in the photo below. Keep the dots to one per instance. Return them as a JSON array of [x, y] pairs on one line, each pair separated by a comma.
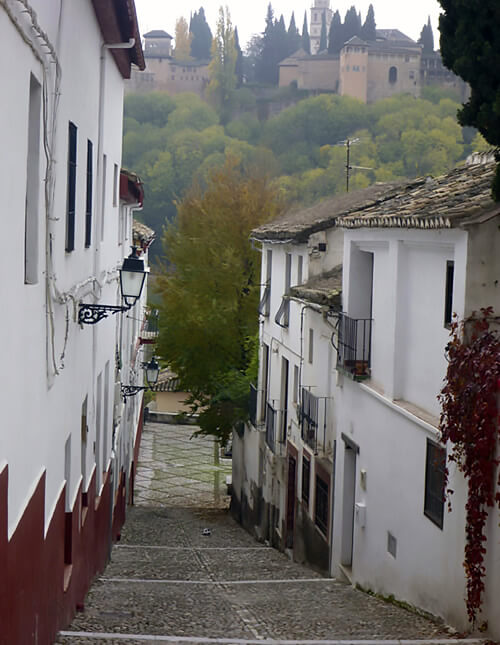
[[184, 571]]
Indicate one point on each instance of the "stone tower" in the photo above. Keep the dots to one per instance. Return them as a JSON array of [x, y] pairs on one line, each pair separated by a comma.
[[319, 8]]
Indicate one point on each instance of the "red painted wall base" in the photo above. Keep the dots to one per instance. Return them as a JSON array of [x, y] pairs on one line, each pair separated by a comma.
[[43, 579]]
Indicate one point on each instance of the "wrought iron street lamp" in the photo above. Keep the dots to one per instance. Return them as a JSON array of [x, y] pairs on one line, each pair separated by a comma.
[[132, 277], [152, 371]]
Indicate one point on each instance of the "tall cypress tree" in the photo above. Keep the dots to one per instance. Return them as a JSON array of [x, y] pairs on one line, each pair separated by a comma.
[[323, 43], [306, 41], [201, 40], [369, 29], [267, 68], [335, 37], [352, 24], [293, 36], [427, 38], [239, 59]]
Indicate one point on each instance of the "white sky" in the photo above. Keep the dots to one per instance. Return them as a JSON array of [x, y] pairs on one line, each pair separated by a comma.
[[249, 15]]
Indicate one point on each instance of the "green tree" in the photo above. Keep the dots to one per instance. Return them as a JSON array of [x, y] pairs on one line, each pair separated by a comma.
[[335, 36], [323, 39], [471, 48], [201, 36], [352, 24], [222, 68], [239, 68], [294, 40], [369, 29], [305, 40], [210, 292], [182, 49], [427, 38]]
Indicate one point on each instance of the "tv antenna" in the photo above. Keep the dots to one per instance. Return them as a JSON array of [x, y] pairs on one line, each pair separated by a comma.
[[348, 143]]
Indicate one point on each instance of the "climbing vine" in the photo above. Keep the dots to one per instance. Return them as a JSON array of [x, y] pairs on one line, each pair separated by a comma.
[[470, 423]]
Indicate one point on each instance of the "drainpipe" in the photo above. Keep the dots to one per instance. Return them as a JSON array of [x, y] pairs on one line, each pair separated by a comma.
[[98, 222]]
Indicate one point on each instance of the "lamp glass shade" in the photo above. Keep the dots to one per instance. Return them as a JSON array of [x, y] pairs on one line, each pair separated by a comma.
[[152, 372], [132, 275]]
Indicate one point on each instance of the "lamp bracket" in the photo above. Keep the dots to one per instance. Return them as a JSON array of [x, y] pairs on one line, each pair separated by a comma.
[[131, 390], [92, 314]]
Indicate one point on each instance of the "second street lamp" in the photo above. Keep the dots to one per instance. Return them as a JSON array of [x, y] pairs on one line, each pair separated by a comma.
[[152, 371]]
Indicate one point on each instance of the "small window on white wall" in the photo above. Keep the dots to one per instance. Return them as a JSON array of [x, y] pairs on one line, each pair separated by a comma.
[[115, 185], [300, 266], [448, 296], [32, 184], [311, 345]]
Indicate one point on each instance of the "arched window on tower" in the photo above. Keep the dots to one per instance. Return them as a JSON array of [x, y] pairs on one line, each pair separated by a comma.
[[393, 74]]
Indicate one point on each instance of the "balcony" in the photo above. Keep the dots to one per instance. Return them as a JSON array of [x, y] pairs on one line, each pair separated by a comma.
[[309, 409], [275, 437], [313, 421], [354, 346]]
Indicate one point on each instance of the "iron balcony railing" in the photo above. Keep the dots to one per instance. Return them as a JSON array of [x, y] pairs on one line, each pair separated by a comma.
[[354, 346], [275, 436], [252, 405], [313, 420], [309, 409]]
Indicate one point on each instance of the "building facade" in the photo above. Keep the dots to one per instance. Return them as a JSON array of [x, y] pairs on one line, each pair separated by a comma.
[[67, 441], [412, 256], [319, 9], [370, 71], [164, 73]]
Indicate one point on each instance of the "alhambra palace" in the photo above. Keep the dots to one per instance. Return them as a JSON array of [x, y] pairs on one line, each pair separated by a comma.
[[368, 71]]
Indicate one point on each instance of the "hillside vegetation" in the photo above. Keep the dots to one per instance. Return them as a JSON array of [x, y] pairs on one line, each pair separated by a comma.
[[173, 142]]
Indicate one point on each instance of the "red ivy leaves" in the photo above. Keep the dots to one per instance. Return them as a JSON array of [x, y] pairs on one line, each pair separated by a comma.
[[470, 422]]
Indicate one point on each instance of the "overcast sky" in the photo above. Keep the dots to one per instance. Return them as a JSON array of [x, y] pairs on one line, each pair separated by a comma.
[[249, 15]]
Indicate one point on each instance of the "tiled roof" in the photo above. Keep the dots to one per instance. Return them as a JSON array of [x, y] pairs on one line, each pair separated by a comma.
[[157, 33], [461, 196], [324, 289], [297, 224]]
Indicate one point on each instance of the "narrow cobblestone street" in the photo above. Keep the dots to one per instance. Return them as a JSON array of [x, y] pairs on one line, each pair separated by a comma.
[[185, 571]]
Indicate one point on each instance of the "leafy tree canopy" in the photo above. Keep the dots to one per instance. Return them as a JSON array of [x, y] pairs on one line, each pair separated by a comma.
[[210, 292], [471, 48]]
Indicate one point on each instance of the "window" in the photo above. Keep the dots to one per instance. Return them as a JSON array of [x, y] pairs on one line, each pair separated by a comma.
[[32, 185], [311, 345], [265, 379], [300, 266], [321, 505], [393, 75], [435, 463], [88, 206], [306, 478], [295, 383], [448, 297], [103, 194], [265, 303], [71, 195], [115, 184]]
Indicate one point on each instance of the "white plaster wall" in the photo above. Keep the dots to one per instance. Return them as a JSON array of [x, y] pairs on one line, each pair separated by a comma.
[[41, 412], [483, 267], [407, 305], [427, 570]]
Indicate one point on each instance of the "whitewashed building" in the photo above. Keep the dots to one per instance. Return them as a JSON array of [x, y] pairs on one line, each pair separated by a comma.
[[283, 461], [412, 256], [66, 439], [410, 263]]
